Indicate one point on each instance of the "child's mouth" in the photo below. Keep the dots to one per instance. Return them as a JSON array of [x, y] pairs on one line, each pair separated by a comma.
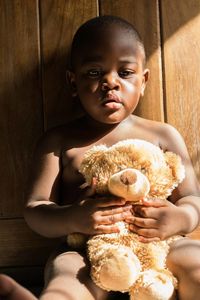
[[112, 101], [113, 105]]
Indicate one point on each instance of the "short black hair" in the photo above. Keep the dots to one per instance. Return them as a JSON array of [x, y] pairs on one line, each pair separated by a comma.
[[98, 23]]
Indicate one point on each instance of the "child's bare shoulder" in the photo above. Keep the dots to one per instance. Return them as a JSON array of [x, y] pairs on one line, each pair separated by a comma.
[[153, 125], [166, 135]]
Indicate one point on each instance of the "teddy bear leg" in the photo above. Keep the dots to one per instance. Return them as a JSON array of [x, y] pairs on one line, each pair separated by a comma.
[[154, 285], [118, 268]]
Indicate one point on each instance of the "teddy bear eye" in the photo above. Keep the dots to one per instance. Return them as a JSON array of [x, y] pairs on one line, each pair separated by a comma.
[[120, 168], [143, 169]]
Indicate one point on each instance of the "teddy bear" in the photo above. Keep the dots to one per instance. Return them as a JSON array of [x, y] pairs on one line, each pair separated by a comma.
[[132, 169]]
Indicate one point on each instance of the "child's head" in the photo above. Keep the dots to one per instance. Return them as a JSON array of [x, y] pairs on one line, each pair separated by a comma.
[[107, 68], [89, 33]]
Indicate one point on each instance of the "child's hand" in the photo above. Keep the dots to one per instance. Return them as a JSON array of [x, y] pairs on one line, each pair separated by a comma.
[[156, 220], [96, 214]]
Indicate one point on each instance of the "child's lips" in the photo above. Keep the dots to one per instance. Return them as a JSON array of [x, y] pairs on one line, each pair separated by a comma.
[[112, 101]]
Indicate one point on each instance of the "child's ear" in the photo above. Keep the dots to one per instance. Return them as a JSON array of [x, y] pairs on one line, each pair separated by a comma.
[[146, 74], [70, 77]]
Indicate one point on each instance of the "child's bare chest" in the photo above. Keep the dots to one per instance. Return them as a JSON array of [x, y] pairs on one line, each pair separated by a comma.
[[72, 158], [71, 161]]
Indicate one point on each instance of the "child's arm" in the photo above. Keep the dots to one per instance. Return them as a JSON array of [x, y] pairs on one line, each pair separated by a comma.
[[187, 195], [180, 215], [46, 217]]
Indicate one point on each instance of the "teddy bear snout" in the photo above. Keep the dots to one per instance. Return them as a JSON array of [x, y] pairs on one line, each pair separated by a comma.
[[130, 184], [128, 177]]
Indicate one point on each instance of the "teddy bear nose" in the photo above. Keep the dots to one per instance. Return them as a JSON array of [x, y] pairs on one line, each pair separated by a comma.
[[128, 177]]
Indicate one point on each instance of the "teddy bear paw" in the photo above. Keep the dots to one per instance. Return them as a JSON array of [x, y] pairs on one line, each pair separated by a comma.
[[153, 285], [119, 269]]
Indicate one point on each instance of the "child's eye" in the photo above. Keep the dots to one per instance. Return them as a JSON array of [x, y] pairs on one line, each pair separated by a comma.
[[126, 73], [94, 73]]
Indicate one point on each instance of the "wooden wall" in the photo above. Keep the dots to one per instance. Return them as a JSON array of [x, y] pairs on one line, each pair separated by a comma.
[[34, 41]]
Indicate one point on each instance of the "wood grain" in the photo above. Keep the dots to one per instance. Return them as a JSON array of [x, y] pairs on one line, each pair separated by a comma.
[[21, 121], [21, 246], [144, 15], [181, 30], [59, 21]]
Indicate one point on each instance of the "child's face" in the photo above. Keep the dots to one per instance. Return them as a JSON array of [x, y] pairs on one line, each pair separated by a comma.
[[109, 76]]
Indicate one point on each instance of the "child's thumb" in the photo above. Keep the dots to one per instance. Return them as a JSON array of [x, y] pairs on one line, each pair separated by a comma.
[[89, 190], [92, 189]]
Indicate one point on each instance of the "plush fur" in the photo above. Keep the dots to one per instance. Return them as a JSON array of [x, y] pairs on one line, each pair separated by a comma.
[[131, 169]]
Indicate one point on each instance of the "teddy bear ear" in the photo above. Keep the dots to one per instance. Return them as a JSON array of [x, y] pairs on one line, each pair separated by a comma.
[[174, 162]]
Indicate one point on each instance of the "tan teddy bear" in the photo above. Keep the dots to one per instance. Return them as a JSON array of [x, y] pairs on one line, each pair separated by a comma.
[[132, 169]]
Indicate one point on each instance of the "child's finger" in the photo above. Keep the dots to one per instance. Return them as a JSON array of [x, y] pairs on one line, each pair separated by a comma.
[[103, 229], [114, 218], [146, 212], [145, 232], [89, 190], [154, 202], [142, 222], [108, 202], [148, 240], [116, 210]]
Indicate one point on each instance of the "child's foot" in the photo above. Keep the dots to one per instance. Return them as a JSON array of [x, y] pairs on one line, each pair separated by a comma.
[[11, 290]]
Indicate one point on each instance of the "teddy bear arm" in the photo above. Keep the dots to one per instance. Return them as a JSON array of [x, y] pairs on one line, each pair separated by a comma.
[[174, 162]]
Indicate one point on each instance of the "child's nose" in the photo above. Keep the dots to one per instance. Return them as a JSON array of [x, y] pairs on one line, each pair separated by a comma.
[[110, 81]]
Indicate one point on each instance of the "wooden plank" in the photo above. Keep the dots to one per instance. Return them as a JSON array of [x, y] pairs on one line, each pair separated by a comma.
[[59, 21], [181, 30], [22, 247], [144, 15], [21, 120]]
